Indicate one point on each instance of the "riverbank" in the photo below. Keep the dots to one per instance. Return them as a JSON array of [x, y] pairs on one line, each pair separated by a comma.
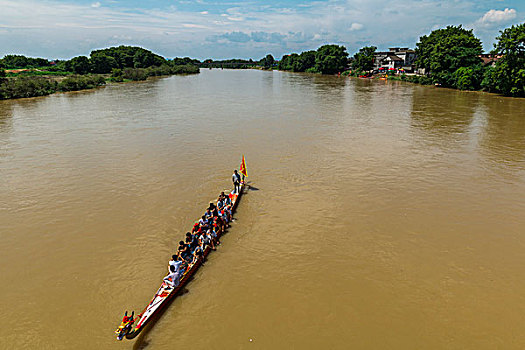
[[411, 78], [33, 83]]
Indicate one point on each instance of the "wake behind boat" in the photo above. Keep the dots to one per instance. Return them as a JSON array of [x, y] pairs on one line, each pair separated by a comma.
[[190, 256]]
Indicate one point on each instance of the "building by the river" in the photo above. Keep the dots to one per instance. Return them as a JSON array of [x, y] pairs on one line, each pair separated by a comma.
[[395, 59]]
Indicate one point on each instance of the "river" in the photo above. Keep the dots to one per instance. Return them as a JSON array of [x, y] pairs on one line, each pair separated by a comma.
[[382, 215]]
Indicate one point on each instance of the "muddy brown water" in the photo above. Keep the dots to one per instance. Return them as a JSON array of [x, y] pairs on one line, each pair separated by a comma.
[[383, 216]]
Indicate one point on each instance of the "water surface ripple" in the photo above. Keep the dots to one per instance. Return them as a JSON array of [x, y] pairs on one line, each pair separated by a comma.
[[387, 215]]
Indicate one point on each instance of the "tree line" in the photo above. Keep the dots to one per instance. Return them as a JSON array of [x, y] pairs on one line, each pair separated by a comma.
[[43, 77], [328, 59], [99, 61], [449, 56]]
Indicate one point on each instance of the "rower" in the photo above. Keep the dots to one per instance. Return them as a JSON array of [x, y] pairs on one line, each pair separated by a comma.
[[188, 247], [228, 212], [173, 278], [174, 262], [210, 239], [236, 178], [214, 236], [219, 222], [198, 254], [194, 242], [186, 253], [181, 247], [227, 200], [202, 240], [195, 227]]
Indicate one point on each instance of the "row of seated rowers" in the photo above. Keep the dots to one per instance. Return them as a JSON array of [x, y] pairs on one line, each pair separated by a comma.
[[205, 233]]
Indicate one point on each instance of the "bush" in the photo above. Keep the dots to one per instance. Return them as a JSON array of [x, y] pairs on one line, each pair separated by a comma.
[[185, 69], [76, 83], [417, 79], [135, 74], [26, 87]]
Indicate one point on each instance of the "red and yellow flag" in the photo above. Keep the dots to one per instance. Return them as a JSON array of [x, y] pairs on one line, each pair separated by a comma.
[[242, 169]]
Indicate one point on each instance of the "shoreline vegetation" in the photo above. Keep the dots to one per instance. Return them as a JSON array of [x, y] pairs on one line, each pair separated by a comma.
[[22, 76], [448, 57]]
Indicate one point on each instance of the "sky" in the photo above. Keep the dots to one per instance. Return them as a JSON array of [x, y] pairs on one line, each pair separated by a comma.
[[239, 28]]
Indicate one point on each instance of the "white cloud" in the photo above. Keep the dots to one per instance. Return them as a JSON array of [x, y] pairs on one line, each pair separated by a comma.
[[192, 25], [356, 26], [497, 16], [237, 19], [46, 28]]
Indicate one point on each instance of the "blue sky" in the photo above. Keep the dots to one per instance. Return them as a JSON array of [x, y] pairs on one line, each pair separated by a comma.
[[246, 29]]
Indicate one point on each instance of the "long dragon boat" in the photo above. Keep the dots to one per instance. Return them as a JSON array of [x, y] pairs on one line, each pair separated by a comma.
[[165, 293]]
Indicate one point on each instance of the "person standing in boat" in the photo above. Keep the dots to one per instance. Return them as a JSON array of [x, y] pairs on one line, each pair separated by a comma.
[[236, 178]]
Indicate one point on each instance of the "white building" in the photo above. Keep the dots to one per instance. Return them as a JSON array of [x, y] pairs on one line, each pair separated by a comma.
[[397, 58]]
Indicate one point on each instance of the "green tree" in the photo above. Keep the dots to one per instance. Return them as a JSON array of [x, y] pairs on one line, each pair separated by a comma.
[[508, 75], [267, 62], [364, 59], [330, 59], [468, 78], [446, 50], [303, 62], [19, 61], [489, 83], [131, 56], [64, 66], [177, 61], [143, 59], [80, 64], [286, 63], [101, 63]]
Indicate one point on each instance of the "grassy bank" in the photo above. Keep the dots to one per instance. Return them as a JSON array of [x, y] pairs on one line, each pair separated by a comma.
[[30, 83], [25, 86]]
